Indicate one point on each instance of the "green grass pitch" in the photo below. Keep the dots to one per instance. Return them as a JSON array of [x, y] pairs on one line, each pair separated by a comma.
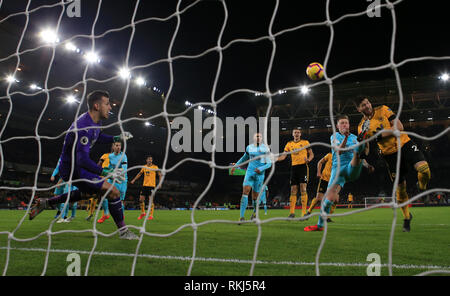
[[228, 249]]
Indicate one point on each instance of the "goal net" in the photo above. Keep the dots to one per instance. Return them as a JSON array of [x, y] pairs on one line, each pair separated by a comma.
[[176, 72]]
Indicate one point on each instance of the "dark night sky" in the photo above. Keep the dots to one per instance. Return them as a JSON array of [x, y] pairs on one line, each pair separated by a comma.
[[359, 41]]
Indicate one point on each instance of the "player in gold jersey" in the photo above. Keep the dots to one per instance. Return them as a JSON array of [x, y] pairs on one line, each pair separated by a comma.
[[324, 176], [383, 118], [350, 200], [300, 157], [150, 170]]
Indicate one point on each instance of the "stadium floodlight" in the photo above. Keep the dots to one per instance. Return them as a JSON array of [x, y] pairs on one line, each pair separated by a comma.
[[304, 89], [71, 99], [147, 123], [444, 77], [70, 46], [140, 81], [49, 36], [187, 103], [11, 79], [124, 73], [92, 57], [34, 87], [201, 108]]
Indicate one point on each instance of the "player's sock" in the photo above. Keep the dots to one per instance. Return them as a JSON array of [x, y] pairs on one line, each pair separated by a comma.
[[105, 207], [304, 198], [326, 207], [65, 211], [265, 208], [244, 203], [254, 205], [333, 207], [142, 204], [93, 205], [115, 208], [402, 196], [152, 209], [293, 201], [74, 209], [313, 204], [423, 176]]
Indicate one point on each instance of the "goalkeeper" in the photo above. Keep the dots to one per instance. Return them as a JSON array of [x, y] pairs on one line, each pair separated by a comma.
[[92, 175]]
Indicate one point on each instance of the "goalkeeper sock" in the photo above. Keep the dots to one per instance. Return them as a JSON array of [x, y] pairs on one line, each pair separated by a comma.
[[143, 207], [313, 204], [293, 201], [115, 208], [326, 206], [105, 207], [244, 203], [423, 176], [304, 199], [402, 197]]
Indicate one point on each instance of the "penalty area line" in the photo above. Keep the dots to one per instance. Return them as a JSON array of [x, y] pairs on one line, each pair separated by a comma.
[[183, 258]]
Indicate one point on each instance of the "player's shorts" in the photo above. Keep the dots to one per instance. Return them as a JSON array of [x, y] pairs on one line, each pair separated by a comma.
[[347, 173], [84, 186], [72, 188], [410, 155], [147, 191], [322, 187], [254, 180], [299, 174], [122, 187]]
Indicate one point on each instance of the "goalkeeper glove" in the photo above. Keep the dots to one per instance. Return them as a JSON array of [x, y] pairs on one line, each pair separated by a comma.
[[118, 175], [123, 137]]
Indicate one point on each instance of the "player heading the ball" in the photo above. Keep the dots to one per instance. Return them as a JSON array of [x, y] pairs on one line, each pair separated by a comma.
[[347, 170]]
